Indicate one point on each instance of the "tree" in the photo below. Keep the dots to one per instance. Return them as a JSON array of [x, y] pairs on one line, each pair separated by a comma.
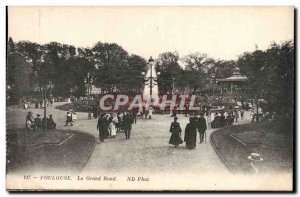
[[10, 46], [197, 66], [221, 68], [167, 65], [271, 77], [136, 65], [17, 77]]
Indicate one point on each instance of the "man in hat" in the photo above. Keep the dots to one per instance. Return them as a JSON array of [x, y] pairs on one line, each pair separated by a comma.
[[69, 119], [128, 120], [29, 123], [51, 124], [90, 112], [45, 123], [190, 134], [201, 127], [175, 129], [102, 127], [37, 122]]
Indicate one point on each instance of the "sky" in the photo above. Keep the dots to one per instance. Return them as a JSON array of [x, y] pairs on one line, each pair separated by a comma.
[[220, 32]]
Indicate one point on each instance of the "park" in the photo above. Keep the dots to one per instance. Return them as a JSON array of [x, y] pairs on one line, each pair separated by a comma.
[[184, 120], [77, 149]]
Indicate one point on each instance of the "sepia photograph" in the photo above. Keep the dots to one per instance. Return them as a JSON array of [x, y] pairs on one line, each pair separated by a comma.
[[155, 98]]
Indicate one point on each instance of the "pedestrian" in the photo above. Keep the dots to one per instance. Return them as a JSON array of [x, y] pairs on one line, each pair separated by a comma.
[[175, 129], [190, 134], [128, 120], [37, 122], [242, 114], [51, 101], [106, 121], [90, 113], [45, 123], [113, 120], [186, 109], [29, 122], [102, 127], [69, 119], [95, 112], [236, 115], [201, 126], [25, 104], [51, 124], [150, 114], [135, 113], [36, 104], [174, 112]]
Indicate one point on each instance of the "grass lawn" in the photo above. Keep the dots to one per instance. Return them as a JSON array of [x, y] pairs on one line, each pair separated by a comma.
[[77, 106], [50, 151], [234, 144]]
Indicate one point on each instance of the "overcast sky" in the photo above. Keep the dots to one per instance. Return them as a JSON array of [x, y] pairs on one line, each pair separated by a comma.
[[221, 32]]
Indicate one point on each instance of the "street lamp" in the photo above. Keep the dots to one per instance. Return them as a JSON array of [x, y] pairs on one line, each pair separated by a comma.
[[50, 86], [88, 81], [214, 82], [152, 80], [44, 92], [173, 84]]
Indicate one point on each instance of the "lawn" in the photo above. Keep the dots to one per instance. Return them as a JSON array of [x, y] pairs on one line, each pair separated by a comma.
[[235, 143], [58, 150], [77, 106]]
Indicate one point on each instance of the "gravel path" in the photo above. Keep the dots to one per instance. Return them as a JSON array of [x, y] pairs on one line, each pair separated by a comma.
[[148, 154], [146, 151]]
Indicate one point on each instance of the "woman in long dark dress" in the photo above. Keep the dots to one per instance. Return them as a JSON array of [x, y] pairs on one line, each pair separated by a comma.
[[175, 129], [190, 134]]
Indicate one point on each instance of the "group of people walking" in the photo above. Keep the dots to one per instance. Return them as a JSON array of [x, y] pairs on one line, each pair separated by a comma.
[[38, 103], [109, 124], [196, 124]]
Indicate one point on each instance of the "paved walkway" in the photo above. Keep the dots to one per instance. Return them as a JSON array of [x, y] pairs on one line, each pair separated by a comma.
[[148, 154], [147, 150]]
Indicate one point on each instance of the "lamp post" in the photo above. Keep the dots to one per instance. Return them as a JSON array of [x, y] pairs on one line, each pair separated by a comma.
[[173, 84], [50, 86], [88, 81], [152, 80], [44, 92], [213, 82]]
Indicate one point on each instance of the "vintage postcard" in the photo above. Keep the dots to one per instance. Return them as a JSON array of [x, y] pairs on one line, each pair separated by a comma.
[[150, 99]]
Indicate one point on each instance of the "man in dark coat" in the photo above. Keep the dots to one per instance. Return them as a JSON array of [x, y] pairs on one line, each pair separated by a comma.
[[128, 120], [201, 124], [44, 123], [90, 112], [102, 127], [175, 129], [190, 134], [134, 114], [51, 124], [37, 122]]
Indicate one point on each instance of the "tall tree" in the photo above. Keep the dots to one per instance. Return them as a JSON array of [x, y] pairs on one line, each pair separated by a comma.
[[167, 65], [197, 66], [17, 77]]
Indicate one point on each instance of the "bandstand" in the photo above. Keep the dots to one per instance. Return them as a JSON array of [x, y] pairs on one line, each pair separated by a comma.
[[235, 84]]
